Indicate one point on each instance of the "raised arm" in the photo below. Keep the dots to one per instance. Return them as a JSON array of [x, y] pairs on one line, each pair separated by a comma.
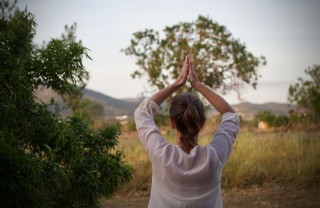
[[215, 100], [163, 94]]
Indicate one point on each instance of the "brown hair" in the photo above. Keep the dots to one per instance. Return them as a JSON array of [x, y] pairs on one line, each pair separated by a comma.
[[188, 115]]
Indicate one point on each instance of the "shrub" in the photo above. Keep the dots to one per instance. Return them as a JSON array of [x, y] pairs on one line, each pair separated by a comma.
[[46, 161], [271, 119]]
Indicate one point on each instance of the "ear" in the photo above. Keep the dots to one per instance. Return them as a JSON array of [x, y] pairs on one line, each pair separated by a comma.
[[171, 123]]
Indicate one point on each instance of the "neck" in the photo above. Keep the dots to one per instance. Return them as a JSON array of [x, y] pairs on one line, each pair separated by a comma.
[[186, 149], [183, 146]]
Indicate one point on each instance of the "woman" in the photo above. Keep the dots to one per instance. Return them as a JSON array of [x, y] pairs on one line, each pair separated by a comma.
[[186, 174]]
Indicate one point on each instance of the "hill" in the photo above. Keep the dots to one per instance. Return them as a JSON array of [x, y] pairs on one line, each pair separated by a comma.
[[248, 110], [118, 107], [112, 106]]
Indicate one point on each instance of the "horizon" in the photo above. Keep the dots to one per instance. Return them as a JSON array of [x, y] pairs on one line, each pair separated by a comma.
[[289, 37], [240, 102]]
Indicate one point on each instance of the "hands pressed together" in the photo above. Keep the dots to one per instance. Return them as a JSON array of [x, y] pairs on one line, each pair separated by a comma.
[[188, 72]]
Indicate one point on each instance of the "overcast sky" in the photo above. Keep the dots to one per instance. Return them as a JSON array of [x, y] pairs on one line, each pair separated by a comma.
[[286, 32]]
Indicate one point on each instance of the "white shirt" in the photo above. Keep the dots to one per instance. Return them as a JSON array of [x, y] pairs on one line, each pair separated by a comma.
[[180, 179]]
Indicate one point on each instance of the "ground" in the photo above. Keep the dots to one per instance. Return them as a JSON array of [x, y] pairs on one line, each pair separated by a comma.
[[257, 197]]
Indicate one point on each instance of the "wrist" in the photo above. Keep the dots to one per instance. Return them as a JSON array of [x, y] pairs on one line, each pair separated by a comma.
[[198, 85], [177, 84]]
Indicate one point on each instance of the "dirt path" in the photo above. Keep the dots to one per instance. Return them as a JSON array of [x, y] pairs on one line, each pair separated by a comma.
[[272, 197], [265, 197]]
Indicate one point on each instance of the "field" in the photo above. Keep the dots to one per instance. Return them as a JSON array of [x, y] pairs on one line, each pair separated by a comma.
[[266, 169]]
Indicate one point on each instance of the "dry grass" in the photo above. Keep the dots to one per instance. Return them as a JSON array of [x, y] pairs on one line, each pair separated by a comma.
[[292, 158], [283, 158]]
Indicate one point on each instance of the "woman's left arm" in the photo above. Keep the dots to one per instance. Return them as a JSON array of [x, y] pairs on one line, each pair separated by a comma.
[[162, 95]]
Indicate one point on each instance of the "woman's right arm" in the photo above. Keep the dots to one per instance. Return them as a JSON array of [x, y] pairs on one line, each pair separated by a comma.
[[215, 100], [229, 127]]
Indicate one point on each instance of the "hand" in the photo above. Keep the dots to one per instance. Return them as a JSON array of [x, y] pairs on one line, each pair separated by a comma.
[[214, 99], [193, 78], [160, 96], [183, 76]]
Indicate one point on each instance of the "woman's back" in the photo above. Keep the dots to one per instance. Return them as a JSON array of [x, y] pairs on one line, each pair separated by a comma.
[[185, 180], [180, 179]]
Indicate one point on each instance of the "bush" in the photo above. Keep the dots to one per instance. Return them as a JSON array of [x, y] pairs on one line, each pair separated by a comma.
[[46, 161], [271, 119]]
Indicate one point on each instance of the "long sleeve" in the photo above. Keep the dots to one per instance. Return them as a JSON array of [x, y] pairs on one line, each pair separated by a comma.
[[225, 136], [148, 131]]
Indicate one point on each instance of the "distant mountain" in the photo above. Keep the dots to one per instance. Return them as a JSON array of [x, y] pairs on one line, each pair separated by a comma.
[[248, 110], [112, 106], [118, 107]]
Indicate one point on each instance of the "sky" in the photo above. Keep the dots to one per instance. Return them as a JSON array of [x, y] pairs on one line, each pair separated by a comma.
[[286, 32]]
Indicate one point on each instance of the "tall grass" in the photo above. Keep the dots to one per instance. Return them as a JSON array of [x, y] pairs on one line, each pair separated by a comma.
[[291, 158]]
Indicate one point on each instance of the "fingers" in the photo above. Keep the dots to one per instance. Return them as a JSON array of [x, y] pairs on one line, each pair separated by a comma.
[[186, 63], [191, 69], [193, 78], [187, 59], [185, 68]]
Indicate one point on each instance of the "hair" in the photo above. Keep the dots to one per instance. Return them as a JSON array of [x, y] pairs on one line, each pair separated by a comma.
[[188, 116]]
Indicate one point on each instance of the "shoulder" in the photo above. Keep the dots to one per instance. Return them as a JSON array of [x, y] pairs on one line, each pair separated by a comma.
[[213, 154]]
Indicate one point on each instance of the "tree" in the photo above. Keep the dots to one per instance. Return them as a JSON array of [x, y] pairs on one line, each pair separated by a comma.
[[80, 105], [46, 161], [221, 61], [306, 93], [75, 101], [7, 8]]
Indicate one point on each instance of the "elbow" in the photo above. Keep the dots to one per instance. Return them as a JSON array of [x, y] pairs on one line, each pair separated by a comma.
[[136, 114], [231, 110], [228, 109]]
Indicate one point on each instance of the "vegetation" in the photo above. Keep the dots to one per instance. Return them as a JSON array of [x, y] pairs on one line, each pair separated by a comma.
[[282, 158], [221, 60], [46, 161], [80, 105], [271, 119], [306, 93]]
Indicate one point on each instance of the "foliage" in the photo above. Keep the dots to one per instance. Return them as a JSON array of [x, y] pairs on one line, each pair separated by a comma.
[[7, 8], [46, 161], [221, 61], [80, 105], [306, 93]]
